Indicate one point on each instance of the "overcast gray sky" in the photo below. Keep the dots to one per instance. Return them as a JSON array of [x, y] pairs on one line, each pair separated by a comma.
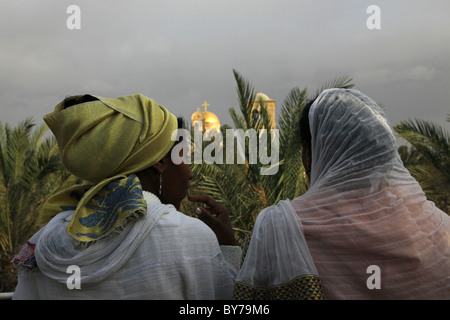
[[182, 52]]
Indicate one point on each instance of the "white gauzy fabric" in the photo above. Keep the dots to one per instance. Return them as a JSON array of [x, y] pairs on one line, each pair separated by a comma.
[[353, 145], [364, 209], [165, 255], [277, 253]]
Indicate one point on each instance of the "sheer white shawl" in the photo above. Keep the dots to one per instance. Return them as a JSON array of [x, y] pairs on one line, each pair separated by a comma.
[[368, 225], [364, 226], [278, 264], [163, 255]]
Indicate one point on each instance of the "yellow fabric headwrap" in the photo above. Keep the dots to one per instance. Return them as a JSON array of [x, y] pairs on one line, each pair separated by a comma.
[[103, 143]]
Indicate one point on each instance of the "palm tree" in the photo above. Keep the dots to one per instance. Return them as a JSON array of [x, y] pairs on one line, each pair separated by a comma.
[[29, 170], [241, 187], [428, 158]]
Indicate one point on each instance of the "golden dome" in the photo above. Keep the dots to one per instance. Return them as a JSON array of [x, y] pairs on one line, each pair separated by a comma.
[[209, 119], [197, 116]]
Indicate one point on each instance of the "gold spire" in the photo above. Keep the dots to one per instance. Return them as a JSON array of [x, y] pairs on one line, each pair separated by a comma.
[[209, 119], [205, 105]]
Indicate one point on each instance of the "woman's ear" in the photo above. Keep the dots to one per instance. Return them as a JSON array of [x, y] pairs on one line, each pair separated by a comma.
[[160, 166], [150, 177]]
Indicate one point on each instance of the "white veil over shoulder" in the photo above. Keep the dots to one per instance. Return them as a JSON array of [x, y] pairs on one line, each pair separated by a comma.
[[367, 223]]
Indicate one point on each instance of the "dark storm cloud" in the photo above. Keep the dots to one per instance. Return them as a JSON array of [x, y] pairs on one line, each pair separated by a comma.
[[182, 53]]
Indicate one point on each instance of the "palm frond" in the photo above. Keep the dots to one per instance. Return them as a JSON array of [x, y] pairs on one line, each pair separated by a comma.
[[29, 170], [246, 97], [430, 139], [344, 82], [428, 159], [238, 119]]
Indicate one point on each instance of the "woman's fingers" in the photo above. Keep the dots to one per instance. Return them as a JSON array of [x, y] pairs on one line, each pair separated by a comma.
[[216, 217], [216, 208]]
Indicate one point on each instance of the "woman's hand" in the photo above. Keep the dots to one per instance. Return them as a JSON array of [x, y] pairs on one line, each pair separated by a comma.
[[216, 217]]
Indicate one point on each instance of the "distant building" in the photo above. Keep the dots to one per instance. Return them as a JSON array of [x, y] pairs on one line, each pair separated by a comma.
[[268, 103], [209, 120]]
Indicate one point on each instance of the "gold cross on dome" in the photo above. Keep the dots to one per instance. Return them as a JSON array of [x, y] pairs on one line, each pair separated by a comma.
[[205, 105]]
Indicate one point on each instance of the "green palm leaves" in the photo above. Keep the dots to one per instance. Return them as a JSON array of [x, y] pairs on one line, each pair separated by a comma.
[[29, 170], [241, 187], [428, 159]]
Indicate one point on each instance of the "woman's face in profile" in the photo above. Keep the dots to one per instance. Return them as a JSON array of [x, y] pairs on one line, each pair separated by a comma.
[[175, 181], [306, 159]]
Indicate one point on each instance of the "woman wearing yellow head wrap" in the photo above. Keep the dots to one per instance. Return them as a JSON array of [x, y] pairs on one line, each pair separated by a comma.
[[103, 142], [116, 217]]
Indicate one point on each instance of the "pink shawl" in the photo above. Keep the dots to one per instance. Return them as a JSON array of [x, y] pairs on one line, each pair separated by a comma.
[[370, 230]]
